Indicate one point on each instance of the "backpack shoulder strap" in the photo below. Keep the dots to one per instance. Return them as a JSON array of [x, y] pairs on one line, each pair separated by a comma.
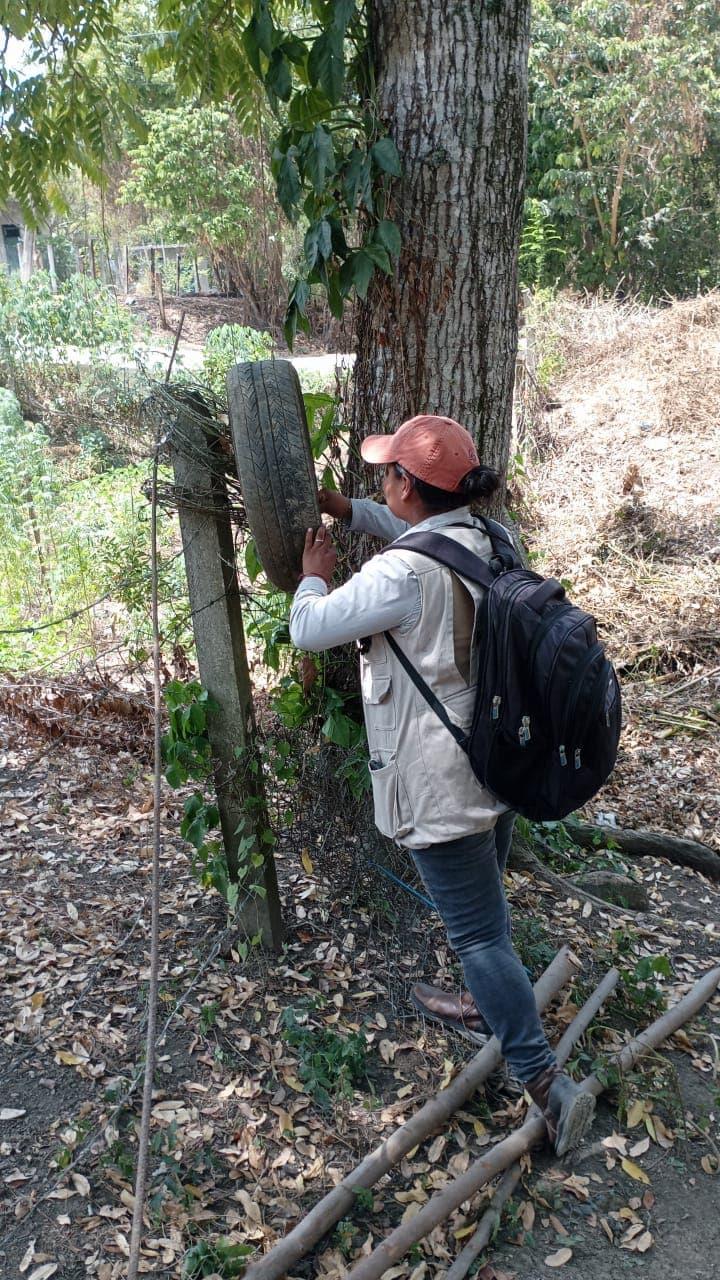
[[502, 543], [447, 552], [427, 693]]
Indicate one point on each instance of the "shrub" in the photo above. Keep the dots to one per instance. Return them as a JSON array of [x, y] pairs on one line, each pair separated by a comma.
[[35, 322], [227, 345]]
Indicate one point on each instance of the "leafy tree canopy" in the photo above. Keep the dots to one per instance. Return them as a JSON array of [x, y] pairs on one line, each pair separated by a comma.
[[330, 159], [624, 146]]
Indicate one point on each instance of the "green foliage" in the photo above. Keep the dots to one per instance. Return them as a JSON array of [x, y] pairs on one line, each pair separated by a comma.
[[70, 545], [62, 109], [186, 746], [35, 323], [227, 345], [640, 995], [219, 1257], [541, 250], [331, 161], [329, 1064], [533, 942], [187, 757], [624, 145], [194, 178]]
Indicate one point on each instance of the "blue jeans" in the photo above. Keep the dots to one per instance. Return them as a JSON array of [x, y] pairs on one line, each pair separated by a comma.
[[464, 878]]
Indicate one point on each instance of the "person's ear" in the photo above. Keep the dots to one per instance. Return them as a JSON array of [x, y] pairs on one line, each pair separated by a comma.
[[407, 488]]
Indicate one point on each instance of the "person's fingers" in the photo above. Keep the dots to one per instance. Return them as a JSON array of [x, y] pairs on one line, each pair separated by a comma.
[[320, 535], [309, 540]]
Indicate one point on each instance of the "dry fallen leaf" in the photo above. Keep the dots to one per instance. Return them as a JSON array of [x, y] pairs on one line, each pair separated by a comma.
[[387, 1050], [27, 1258], [640, 1147], [616, 1142], [12, 1113], [69, 1059], [527, 1215], [560, 1258], [577, 1186], [710, 1164], [465, 1231], [43, 1272], [634, 1171], [637, 1112], [307, 862], [557, 1226], [80, 1183]]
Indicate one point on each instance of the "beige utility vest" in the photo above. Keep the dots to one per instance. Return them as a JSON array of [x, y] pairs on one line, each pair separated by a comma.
[[424, 790]]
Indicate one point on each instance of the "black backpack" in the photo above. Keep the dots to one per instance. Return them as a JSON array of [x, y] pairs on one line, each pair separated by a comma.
[[546, 724]]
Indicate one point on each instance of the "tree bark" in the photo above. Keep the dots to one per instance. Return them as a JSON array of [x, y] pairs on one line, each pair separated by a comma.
[[440, 336]]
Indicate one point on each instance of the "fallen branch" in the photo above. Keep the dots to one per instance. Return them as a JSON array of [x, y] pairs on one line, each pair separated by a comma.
[[528, 1135], [488, 1224], [491, 1218], [643, 844], [523, 859], [435, 1113]]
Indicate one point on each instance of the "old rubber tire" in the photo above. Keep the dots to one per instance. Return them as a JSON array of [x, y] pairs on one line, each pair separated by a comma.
[[274, 462]]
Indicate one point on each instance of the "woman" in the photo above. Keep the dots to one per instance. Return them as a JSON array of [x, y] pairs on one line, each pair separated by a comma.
[[425, 794]]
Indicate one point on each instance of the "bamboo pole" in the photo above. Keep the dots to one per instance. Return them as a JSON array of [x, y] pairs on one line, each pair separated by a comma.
[[436, 1112], [507, 1152], [509, 1181], [489, 1223]]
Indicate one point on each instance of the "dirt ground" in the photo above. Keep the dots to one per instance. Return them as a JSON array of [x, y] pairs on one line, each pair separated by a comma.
[[240, 1142], [617, 488], [204, 312]]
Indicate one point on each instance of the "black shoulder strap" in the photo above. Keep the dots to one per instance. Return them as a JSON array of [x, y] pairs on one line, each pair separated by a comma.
[[501, 540], [449, 553], [427, 693]]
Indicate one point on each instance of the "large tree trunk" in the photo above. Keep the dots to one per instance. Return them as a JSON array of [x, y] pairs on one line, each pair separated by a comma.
[[441, 335]]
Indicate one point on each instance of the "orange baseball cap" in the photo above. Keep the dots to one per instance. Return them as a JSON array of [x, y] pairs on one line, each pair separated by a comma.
[[437, 450]]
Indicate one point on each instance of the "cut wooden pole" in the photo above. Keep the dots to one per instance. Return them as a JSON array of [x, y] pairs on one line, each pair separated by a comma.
[[160, 291], [436, 1112], [488, 1224], [531, 1132], [491, 1218], [207, 538]]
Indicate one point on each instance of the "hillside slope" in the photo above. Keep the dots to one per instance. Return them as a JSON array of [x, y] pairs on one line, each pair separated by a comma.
[[623, 496]]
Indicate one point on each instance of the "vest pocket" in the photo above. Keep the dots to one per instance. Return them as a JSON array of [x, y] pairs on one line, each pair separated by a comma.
[[393, 815], [377, 695]]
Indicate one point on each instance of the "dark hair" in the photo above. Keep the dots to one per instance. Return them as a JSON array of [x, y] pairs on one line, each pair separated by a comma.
[[477, 484]]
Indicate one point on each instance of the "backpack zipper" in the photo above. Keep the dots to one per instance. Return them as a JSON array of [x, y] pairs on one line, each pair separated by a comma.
[[551, 672], [494, 694], [542, 631], [574, 692], [604, 678]]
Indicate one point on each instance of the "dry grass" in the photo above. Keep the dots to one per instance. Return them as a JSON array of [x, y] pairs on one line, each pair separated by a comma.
[[625, 475]]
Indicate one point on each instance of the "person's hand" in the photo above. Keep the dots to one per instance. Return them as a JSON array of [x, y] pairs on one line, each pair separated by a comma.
[[333, 504], [319, 556]]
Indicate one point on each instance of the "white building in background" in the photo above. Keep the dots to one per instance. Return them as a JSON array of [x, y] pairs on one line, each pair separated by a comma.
[[11, 239]]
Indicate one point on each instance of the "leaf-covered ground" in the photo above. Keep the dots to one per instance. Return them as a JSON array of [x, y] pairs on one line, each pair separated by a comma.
[[243, 1137], [276, 1075]]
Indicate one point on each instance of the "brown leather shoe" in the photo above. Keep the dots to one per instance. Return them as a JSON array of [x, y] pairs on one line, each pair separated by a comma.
[[459, 1012], [568, 1112]]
